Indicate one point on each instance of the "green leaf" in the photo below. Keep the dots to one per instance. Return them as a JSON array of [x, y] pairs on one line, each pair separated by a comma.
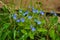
[[5, 9], [31, 35], [42, 39], [23, 31], [21, 24], [4, 35], [53, 19], [27, 27], [58, 38], [24, 37], [52, 34], [58, 28], [43, 21], [43, 30], [14, 34], [6, 25]]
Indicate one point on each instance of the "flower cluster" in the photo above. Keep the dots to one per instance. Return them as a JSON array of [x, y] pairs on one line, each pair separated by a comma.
[[31, 20], [26, 15]]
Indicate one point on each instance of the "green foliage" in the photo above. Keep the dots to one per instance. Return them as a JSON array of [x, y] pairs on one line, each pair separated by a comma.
[[33, 24], [52, 34]]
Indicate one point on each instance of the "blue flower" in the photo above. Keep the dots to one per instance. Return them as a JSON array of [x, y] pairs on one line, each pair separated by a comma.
[[25, 13], [14, 16], [18, 20], [55, 14], [29, 17], [35, 20], [33, 29], [31, 26], [34, 11], [41, 12], [22, 19], [38, 22], [32, 8], [37, 11], [20, 11]]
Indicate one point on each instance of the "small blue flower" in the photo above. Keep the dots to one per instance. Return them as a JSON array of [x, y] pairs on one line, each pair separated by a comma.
[[37, 11], [34, 11], [20, 11], [25, 13], [33, 29], [35, 20], [31, 26], [22, 19], [32, 8], [42, 13], [18, 20], [29, 17], [55, 14], [38, 22], [14, 16]]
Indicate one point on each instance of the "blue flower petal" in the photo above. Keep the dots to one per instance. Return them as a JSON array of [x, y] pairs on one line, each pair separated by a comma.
[[29, 17], [55, 14], [38, 22], [22, 19], [32, 8], [18, 20], [37, 11], [34, 11], [33, 29], [14, 16], [35, 20], [31, 26], [25, 13], [42, 13], [20, 11]]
